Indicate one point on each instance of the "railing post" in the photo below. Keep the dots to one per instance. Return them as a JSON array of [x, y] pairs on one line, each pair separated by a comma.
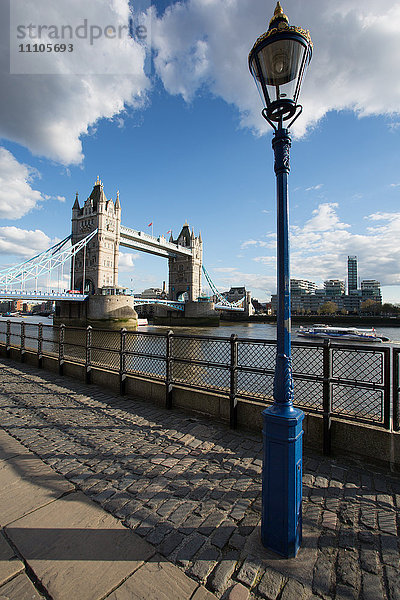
[[22, 345], [40, 345], [386, 389], [122, 362], [8, 339], [168, 370], [61, 341], [233, 382], [88, 356], [396, 384], [327, 396]]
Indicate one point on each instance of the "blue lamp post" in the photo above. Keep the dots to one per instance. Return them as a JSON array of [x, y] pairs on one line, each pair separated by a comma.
[[277, 62]]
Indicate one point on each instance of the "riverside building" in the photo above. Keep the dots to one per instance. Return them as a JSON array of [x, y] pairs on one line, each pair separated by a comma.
[[307, 298], [352, 279], [371, 289]]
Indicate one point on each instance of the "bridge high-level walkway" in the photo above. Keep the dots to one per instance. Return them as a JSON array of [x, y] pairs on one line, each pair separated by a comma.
[[187, 491]]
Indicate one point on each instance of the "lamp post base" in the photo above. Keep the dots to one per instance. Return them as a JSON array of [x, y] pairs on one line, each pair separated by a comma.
[[281, 523]]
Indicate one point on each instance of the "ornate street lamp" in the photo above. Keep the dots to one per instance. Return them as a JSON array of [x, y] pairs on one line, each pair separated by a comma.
[[277, 62]]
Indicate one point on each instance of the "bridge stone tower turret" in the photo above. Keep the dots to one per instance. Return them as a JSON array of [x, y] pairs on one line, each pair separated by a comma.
[[98, 264], [185, 271]]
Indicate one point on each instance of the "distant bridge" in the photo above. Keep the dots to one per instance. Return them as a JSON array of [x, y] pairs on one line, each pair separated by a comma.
[[180, 304], [41, 296], [171, 304]]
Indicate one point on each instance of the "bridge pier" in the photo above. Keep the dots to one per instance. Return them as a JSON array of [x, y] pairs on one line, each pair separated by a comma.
[[197, 314], [110, 312]]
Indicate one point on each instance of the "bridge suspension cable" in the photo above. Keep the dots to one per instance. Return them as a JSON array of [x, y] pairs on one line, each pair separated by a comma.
[[216, 292], [42, 263]]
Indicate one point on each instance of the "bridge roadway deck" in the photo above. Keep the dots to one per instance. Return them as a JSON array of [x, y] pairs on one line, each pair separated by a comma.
[[131, 501]]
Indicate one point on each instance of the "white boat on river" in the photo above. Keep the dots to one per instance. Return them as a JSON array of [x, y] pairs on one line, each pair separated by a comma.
[[345, 334]]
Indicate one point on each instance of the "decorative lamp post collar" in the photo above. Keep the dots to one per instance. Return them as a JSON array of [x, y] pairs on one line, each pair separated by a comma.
[[277, 62]]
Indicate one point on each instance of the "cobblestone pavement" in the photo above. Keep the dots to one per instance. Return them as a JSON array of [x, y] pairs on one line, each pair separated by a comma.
[[192, 488]]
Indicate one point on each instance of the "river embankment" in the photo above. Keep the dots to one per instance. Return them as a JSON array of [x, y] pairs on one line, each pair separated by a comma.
[[344, 320]]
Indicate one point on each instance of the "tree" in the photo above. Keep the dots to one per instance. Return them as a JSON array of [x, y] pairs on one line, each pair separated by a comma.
[[328, 308], [371, 306], [390, 309]]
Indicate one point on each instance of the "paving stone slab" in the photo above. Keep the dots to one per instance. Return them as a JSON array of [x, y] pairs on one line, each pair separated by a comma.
[[294, 590], [76, 549], [348, 568], [345, 592], [27, 483], [239, 592], [222, 573], [158, 580], [204, 562], [322, 576], [203, 594], [371, 587], [248, 571], [10, 565], [271, 584], [392, 576], [10, 447], [20, 588]]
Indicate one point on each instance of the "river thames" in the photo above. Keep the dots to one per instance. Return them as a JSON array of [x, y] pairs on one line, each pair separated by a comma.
[[247, 330]]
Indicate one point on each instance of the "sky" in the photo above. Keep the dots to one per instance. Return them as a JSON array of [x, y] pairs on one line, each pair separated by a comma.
[[170, 117]]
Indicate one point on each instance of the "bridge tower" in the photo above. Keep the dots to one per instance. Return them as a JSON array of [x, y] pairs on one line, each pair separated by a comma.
[[99, 261], [185, 271]]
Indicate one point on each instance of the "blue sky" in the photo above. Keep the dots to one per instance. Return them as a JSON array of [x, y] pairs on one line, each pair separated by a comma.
[[184, 140]]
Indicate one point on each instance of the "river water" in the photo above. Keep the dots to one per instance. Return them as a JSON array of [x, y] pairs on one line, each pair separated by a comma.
[[246, 330]]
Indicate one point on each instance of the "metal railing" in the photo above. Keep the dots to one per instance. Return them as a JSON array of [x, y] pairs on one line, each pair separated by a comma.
[[342, 381], [396, 389]]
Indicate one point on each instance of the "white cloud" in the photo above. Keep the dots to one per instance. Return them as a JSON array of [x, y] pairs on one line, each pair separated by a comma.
[[259, 243], [17, 197], [58, 198], [314, 187], [248, 243], [225, 269], [320, 248], [205, 43], [324, 218], [202, 44], [49, 114], [22, 242], [126, 262], [265, 260], [261, 286]]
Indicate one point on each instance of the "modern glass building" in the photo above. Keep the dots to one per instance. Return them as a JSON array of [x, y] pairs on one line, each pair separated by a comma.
[[351, 274]]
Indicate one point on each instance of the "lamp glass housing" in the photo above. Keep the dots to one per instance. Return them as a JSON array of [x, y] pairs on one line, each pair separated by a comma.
[[278, 66]]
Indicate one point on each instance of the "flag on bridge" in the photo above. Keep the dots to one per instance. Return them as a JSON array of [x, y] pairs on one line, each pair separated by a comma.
[[169, 231], [150, 224]]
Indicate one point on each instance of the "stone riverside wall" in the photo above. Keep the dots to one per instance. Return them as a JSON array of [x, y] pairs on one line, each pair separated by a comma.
[[348, 439]]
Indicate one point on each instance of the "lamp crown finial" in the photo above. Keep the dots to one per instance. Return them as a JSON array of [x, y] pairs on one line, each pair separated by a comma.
[[278, 15]]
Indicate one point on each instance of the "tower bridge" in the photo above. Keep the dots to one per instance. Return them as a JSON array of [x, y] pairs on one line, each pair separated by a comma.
[[98, 264], [96, 237]]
